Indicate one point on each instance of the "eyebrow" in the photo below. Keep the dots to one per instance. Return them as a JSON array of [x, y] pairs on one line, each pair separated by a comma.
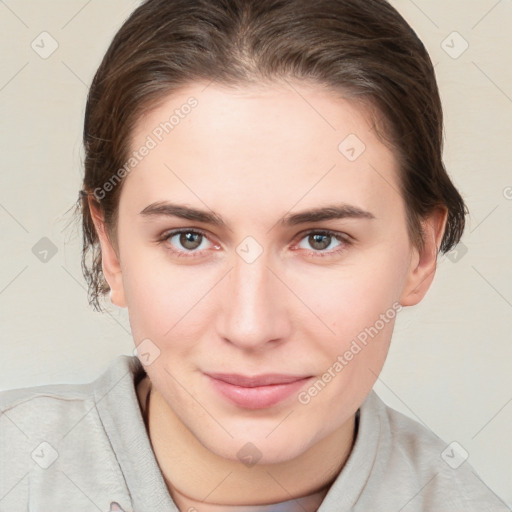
[[342, 211]]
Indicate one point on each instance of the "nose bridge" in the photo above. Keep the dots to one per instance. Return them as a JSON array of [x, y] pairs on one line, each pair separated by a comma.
[[253, 311]]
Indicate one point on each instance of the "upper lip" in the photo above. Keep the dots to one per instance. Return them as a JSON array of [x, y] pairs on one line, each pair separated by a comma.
[[268, 379]]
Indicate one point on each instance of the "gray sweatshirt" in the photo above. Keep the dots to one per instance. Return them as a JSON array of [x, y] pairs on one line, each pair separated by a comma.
[[84, 447]]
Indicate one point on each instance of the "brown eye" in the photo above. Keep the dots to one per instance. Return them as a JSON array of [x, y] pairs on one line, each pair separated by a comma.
[[324, 243], [319, 241], [186, 241], [189, 240]]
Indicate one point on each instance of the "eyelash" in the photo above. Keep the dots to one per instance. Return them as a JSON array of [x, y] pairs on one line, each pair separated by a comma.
[[341, 237]]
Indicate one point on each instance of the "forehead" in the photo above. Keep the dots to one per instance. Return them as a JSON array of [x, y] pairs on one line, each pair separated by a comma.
[[280, 142]]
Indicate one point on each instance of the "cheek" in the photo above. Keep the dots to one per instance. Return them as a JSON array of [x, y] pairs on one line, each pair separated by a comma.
[[357, 304], [347, 299], [165, 300], [156, 295], [360, 305], [167, 303]]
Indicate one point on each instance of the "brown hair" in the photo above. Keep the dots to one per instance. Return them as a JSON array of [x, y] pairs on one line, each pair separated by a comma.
[[363, 49]]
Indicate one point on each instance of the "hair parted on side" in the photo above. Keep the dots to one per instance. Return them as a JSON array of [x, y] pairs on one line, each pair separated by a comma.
[[363, 49]]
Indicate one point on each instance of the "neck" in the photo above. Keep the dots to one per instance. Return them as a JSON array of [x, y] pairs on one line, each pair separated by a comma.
[[196, 477], [309, 503]]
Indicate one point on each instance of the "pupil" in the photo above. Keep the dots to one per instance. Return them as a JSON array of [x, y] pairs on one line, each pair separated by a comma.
[[316, 238], [187, 240]]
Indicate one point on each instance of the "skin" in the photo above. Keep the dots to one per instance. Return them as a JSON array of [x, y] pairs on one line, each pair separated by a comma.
[[253, 155]]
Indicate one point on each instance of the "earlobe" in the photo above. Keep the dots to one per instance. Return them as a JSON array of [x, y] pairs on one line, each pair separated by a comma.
[[424, 260], [110, 261]]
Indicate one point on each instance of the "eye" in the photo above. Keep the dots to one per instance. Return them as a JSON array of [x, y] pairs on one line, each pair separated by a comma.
[[192, 242], [186, 242], [322, 240]]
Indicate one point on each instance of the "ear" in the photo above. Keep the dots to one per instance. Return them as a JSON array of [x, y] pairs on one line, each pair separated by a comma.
[[110, 261], [424, 260]]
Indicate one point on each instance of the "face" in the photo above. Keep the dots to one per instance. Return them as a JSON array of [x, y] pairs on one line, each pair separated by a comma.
[[226, 269]]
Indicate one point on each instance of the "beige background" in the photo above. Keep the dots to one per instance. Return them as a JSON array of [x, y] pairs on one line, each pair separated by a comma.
[[449, 365]]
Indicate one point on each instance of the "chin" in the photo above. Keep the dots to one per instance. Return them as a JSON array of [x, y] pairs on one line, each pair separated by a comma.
[[251, 450]]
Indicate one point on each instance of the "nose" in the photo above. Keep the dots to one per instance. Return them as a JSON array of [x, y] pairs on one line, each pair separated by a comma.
[[254, 309]]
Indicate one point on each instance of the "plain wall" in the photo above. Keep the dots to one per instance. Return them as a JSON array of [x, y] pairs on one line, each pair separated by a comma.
[[449, 363]]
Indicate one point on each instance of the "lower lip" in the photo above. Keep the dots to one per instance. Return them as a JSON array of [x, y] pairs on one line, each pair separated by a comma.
[[260, 397]]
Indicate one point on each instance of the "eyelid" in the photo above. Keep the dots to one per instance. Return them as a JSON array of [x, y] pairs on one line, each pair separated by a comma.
[[166, 235], [325, 231], [344, 238], [338, 235]]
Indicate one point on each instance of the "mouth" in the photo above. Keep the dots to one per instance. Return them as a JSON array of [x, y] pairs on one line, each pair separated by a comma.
[[259, 392]]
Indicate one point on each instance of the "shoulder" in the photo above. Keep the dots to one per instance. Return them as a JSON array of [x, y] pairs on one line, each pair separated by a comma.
[[45, 398], [56, 409], [53, 436], [431, 472], [50, 398]]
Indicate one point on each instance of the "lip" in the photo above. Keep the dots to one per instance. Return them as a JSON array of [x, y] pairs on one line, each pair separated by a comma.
[[259, 392]]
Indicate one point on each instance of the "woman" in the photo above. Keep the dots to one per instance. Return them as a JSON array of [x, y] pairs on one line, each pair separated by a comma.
[[264, 192]]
